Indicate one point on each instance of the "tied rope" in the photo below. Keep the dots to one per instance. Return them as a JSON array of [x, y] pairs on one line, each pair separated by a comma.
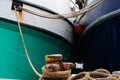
[[69, 15], [24, 45]]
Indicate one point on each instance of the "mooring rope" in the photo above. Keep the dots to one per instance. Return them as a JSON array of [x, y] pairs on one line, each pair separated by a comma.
[[69, 15], [98, 74], [24, 45]]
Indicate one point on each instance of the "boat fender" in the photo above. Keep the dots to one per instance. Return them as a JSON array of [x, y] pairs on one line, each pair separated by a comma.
[[78, 29]]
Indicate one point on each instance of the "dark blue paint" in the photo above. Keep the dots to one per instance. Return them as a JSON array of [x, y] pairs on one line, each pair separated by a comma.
[[100, 45], [106, 7]]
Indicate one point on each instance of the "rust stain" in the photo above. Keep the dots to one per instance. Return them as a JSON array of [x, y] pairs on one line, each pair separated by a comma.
[[20, 14]]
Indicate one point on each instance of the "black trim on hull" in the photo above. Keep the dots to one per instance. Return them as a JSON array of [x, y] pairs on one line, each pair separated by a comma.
[[43, 8], [39, 29]]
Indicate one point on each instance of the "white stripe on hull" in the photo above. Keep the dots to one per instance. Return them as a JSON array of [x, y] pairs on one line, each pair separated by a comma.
[[57, 26]]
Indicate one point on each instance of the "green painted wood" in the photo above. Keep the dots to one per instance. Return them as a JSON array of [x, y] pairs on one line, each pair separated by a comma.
[[13, 61]]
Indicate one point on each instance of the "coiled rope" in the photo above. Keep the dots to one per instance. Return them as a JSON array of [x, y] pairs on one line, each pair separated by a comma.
[[69, 15], [24, 45], [98, 74]]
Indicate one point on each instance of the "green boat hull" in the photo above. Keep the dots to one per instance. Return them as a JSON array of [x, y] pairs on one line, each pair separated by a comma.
[[13, 61]]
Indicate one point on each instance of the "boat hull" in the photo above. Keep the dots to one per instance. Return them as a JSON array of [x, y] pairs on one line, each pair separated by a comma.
[[100, 42], [13, 61], [42, 36], [106, 7], [60, 27]]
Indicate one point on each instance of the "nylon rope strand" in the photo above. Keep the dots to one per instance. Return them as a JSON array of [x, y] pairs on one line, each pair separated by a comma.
[[62, 16], [24, 45], [79, 18]]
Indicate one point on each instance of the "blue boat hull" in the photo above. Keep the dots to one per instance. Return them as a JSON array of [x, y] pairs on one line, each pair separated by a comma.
[[100, 42], [106, 7]]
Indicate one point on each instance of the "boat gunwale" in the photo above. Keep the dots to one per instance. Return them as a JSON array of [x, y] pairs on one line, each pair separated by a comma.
[[101, 20], [45, 9], [39, 29]]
